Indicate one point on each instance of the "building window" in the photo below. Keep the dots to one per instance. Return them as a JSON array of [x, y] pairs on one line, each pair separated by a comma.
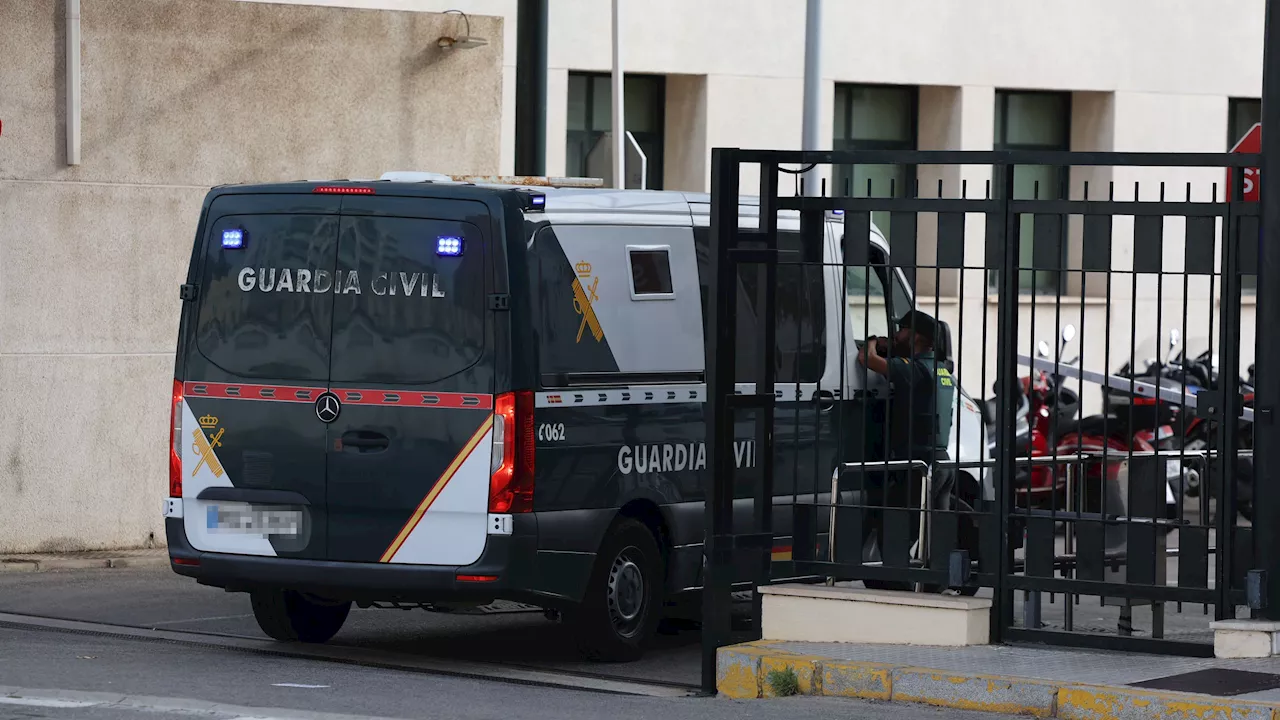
[[591, 116], [875, 117], [1034, 121], [1242, 114]]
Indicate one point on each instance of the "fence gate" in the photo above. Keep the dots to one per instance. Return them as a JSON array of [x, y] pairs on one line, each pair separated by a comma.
[[1097, 482]]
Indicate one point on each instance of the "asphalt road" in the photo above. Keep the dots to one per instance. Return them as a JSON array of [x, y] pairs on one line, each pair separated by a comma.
[[59, 675], [157, 598]]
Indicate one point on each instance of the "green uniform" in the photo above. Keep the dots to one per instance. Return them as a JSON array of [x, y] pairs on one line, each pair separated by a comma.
[[922, 406]]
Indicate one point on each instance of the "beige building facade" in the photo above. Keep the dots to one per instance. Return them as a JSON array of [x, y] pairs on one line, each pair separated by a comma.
[[1141, 75], [179, 95], [176, 96]]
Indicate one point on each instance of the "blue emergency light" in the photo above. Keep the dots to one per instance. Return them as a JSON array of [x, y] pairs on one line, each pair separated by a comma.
[[232, 239], [448, 246]]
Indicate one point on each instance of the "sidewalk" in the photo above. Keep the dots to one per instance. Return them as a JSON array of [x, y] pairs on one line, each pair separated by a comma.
[[158, 557], [1028, 680]]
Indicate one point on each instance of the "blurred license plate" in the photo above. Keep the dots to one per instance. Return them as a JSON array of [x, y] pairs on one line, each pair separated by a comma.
[[248, 520]]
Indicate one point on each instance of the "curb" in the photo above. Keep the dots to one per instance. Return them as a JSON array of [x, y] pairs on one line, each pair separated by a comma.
[[32, 563], [742, 672]]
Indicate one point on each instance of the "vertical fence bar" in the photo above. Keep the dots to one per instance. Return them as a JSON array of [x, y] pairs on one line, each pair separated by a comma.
[[718, 506], [1007, 394], [1228, 407], [764, 421], [1267, 389]]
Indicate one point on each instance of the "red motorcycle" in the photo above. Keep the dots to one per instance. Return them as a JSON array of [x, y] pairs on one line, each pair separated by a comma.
[[1043, 406], [1132, 424]]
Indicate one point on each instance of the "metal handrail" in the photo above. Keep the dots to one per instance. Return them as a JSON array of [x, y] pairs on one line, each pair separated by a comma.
[[920, 552], [921, 549]]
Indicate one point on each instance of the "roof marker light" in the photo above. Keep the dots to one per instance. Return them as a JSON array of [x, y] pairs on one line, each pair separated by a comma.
[[232, 239], [448, 246]]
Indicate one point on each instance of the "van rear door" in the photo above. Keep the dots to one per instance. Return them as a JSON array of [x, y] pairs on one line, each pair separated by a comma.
[[409, 454], [252, 450]]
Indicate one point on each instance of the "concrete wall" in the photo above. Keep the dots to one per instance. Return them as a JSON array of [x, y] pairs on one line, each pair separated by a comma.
[[177, 96]]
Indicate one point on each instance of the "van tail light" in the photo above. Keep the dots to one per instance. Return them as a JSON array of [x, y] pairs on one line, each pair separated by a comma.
[[175, 442], [511, 484]]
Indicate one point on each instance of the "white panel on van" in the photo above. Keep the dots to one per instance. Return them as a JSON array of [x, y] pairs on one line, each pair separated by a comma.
[[645, 335]]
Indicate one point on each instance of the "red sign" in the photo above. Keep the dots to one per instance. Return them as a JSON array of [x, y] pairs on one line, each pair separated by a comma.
[[1249, 144]]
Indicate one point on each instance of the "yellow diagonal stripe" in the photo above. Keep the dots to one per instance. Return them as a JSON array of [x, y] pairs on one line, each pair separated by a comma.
[[448, 474]]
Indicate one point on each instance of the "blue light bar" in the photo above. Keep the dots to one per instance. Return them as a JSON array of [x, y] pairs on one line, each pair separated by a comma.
[[233, 239], [539, 200], [448, 246]]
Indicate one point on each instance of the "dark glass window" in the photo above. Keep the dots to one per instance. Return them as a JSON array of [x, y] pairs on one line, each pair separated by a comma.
[[591, 117], [266, 308], [800, 352], [1033, 121], [419, 316], [875, 117], [650, 272]]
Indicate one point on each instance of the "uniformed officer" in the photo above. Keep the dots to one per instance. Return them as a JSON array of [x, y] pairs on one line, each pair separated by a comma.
[[919, 417]]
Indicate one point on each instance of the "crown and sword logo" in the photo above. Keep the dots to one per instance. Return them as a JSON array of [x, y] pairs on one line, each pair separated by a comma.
[[203, 446], [583, 296]]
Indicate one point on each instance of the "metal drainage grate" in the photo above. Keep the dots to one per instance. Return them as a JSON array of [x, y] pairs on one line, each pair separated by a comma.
[[1221, 682]]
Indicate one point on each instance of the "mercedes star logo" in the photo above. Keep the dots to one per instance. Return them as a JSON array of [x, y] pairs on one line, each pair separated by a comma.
[[328, 407]]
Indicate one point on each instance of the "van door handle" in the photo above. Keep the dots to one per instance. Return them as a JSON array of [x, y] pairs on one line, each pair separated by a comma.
[[826, 400], [365, 441]]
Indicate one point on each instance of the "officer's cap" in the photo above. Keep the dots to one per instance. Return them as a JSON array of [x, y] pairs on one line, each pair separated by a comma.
[[920, 323]]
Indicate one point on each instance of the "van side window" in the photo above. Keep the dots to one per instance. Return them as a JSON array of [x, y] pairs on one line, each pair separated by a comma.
[[866, 299], [650, 273], [801, 316]]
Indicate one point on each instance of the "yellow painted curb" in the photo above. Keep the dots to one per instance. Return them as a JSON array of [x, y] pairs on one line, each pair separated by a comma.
[[738, 671], [1084, 702], [864, 680], [743, 670], [808, 670], [984, 693]]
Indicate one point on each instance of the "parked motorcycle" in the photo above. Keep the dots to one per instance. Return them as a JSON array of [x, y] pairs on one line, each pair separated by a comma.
[[1126, 427], [1198, 434], [1043, 404]]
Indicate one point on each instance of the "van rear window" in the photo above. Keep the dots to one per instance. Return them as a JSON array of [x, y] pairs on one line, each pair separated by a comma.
[[421, 313], [266, 295]]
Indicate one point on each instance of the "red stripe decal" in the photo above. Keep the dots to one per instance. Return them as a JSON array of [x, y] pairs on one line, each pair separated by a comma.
[[272, 393], [349, 396], [409, 398]]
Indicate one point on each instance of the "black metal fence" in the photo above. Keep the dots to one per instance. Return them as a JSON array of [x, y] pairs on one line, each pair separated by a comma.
[[1098, 483]]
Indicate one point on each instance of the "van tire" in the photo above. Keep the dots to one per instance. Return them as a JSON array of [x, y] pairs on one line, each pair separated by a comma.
[[289, 616], [622, 605]]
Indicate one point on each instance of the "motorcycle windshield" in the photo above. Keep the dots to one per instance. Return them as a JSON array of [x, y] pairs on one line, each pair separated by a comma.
[[1197, 361]]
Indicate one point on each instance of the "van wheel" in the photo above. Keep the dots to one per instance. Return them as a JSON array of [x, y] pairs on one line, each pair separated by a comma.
[[289, 616], [623, 602]]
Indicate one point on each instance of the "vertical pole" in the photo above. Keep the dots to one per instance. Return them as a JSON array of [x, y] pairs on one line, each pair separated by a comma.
[[1007, 394], [619, 129], [812, 89], [531, 87], [717, 558], [73, 82], [766, 301], [1266, 525]]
